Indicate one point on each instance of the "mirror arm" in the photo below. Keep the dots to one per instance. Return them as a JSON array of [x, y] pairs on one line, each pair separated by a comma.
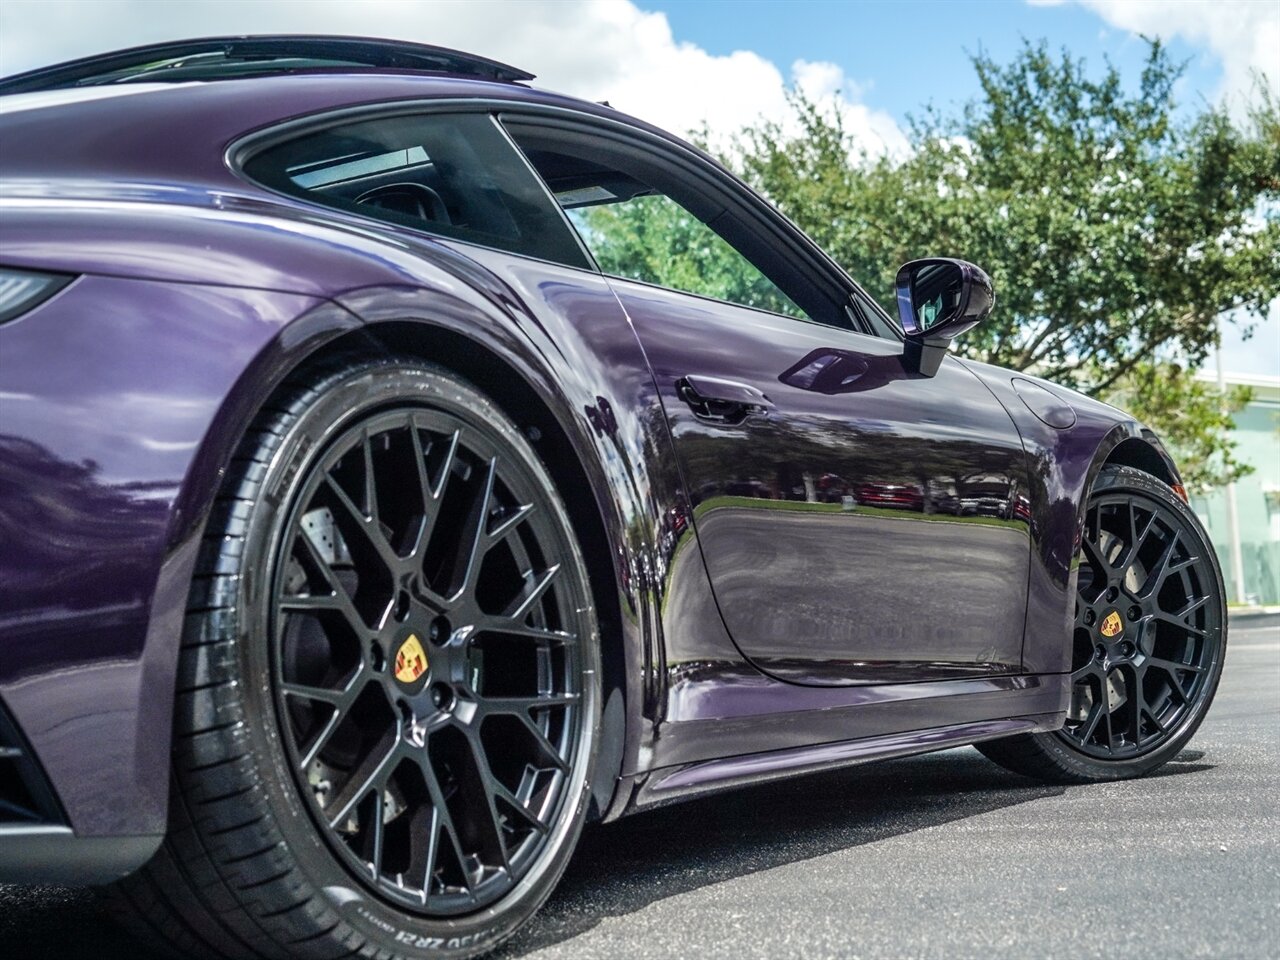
[[923, 355]]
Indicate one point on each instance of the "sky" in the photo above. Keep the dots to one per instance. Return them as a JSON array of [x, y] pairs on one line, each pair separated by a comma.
[[682, 63]]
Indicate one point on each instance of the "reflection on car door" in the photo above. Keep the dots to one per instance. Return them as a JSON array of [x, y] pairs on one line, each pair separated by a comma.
[[830, 493]]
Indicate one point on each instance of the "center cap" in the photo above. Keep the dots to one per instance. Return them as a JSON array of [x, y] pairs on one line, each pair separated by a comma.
[[1111, 624], [411, 663]]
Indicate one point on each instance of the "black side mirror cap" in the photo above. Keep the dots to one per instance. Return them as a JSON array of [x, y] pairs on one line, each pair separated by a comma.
[[939, 298]]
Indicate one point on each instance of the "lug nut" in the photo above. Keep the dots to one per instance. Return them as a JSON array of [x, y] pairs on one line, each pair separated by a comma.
[[1112, 593], [1135, 613], [441, 696], [439, 631], [1089, 618], [1100, 652]]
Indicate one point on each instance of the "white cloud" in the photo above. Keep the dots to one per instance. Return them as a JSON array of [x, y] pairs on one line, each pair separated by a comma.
[[1244, 35], [596, 49]]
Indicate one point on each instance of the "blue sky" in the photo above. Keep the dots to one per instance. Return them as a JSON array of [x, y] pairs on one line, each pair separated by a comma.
[[908, 53]]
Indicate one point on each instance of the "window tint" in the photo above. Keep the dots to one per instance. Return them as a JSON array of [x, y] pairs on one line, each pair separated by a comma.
[[455, 175], [651, 238]]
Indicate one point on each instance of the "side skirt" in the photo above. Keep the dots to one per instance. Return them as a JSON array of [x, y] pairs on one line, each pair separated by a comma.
[[890, 728]]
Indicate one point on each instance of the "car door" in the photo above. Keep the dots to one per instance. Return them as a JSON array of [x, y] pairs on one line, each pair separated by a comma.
[[830, 486]]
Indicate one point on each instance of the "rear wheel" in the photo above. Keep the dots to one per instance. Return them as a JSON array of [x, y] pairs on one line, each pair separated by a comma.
[[388, 684], [1148, 641]]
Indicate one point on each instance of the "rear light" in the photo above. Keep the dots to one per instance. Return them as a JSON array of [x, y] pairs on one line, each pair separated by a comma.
[[21, 290]]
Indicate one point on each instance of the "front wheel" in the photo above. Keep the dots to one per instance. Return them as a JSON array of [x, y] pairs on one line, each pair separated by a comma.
[[388, 684], [1148, 642]]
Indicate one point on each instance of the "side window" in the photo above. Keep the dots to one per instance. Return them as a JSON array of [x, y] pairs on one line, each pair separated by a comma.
[[643, 219], [455, 175], [651, 238]]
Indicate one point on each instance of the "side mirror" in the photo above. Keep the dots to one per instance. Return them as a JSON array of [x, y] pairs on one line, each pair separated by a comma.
[[939, 299]]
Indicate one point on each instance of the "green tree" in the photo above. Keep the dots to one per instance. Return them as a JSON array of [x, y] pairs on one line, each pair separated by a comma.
[[1192, 417], [1116, 233]]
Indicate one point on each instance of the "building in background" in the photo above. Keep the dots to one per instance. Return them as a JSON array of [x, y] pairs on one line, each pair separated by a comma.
[[1257, 497]]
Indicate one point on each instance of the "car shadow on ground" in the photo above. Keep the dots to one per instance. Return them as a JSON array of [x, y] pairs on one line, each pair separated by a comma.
[[623, 867]]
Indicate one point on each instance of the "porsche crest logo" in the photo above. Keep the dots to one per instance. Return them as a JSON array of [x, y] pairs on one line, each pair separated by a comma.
[[1111, 624], [411, 660]]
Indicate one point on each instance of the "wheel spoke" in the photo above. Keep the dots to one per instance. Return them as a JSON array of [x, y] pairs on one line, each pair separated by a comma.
[[548, 748], [341, 703], [367, 525], [334, 698], [508, 524], [371, 773], [518, 628], [490, 785], [378, 828], [1091, 721], [1137, 539], [1088, 670], [1176, 621], [444, 819], [431, 495], [1173, 665], [1164, 568], [1138, 700], [475, 551], [338, 598], [433, 850], [535, 586], [370, 481], [520, 808], [1093, 554]]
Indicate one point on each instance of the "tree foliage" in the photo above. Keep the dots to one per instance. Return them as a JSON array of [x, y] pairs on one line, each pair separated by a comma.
[[1117, 231]]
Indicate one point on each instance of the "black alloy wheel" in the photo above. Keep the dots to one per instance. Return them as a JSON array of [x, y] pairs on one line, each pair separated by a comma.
[[386, 723], [426, 662], [1148, 626], [1148, 641]]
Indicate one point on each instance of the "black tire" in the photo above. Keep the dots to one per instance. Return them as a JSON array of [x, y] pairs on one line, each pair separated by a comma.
[[251, 866], [1153, 679]]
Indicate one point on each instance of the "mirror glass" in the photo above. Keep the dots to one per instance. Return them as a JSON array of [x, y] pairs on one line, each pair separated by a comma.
[[936, 292]]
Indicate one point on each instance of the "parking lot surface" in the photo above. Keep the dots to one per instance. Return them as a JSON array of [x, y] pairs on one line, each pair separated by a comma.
[[942, 855]]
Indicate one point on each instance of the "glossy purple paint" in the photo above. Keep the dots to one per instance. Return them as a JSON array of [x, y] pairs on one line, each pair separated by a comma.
[[124, 397]]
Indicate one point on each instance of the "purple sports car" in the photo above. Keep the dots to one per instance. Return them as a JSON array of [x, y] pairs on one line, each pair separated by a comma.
[[380, 502]]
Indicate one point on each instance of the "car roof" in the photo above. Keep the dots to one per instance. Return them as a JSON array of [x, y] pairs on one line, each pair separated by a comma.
[[224, 58]]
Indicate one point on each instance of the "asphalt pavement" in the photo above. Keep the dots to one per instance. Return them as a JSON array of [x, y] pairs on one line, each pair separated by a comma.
[[938, 856]]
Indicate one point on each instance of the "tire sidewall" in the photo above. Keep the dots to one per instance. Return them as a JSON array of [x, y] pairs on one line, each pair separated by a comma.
[[341, 400]]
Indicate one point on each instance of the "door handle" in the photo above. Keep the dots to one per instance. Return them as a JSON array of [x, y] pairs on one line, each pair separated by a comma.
[[713, 400]]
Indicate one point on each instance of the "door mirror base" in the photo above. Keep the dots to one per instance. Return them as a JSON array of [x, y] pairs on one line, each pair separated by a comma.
[[924, 357]]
